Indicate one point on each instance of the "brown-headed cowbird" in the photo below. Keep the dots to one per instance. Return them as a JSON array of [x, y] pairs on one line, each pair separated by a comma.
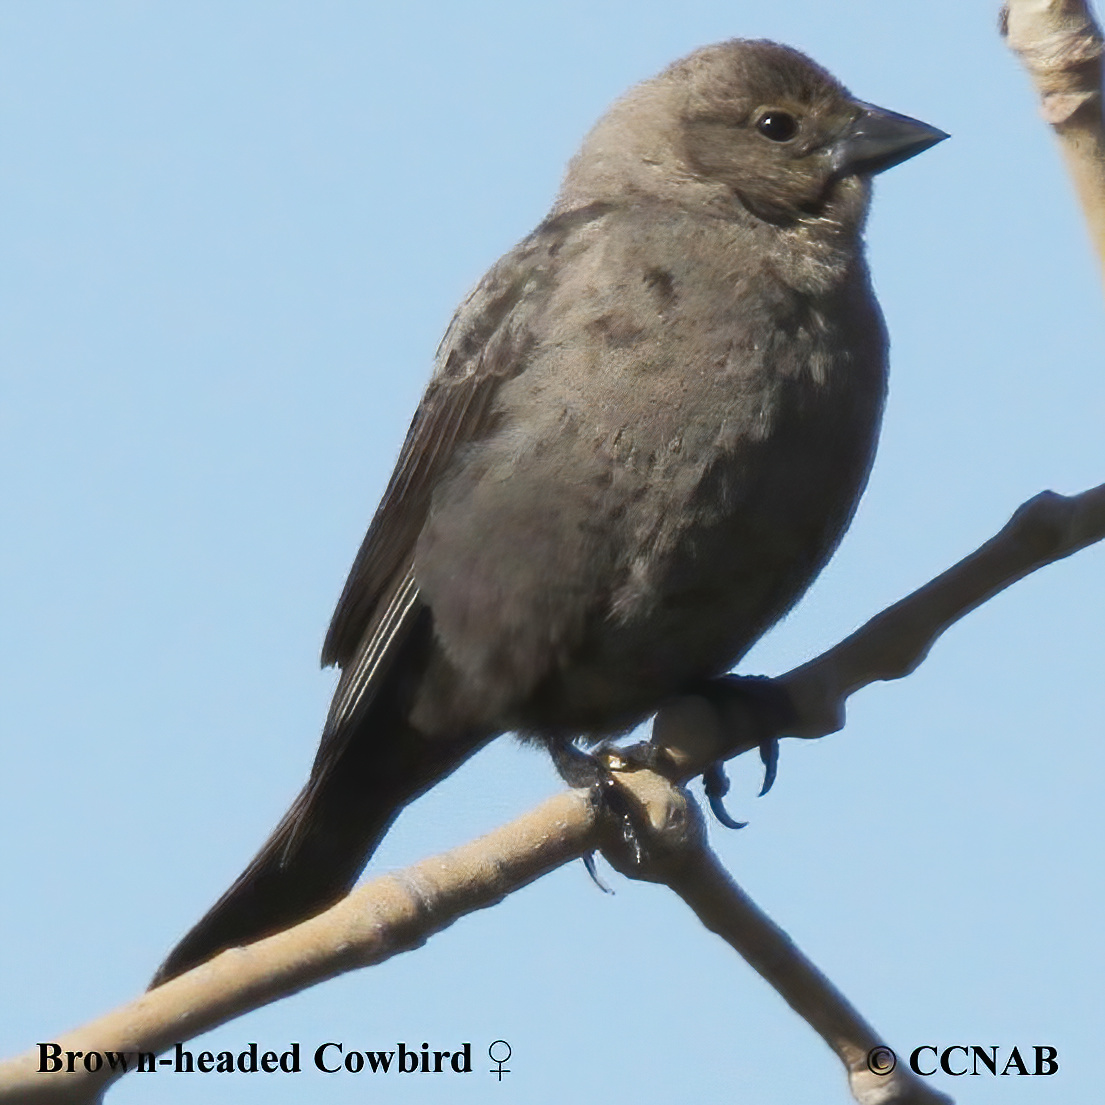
[[646, 431]]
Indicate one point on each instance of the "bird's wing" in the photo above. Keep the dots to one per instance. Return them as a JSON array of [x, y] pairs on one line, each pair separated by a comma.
[[485, 345]]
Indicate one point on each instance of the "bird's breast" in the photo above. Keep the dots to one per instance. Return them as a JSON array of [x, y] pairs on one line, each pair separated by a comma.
[[675, 464]]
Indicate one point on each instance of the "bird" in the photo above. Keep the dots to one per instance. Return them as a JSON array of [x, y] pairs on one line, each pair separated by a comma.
[[646, 430]]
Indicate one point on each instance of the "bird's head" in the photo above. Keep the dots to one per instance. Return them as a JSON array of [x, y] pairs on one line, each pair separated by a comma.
[[745, 123]]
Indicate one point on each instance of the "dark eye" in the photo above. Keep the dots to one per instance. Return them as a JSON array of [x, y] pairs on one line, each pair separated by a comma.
[[779, 126]]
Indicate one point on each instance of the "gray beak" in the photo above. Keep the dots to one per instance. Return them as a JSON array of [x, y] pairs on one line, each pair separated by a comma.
[[878, 140]]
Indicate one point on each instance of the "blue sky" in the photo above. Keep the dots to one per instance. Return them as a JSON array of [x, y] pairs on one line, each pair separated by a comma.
[[232, 235]]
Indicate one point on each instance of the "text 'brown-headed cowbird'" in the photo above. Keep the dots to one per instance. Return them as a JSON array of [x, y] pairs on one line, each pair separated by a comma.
[[646, 432]]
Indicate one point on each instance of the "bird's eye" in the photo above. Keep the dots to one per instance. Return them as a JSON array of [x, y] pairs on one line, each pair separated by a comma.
[[779, 126]]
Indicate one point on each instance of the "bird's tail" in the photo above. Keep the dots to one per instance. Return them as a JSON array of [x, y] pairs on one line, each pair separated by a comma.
[[320, 846]]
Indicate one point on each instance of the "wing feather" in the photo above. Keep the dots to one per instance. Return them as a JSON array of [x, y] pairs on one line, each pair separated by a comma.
[[485, 345]]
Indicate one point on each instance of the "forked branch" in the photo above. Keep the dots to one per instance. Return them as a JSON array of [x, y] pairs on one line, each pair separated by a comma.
[[401, 911]]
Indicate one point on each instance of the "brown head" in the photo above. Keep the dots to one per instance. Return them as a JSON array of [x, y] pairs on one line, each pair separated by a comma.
[[744, 126]]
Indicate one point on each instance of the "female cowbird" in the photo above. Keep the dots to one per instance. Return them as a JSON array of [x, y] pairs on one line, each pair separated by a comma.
[[646, 430]]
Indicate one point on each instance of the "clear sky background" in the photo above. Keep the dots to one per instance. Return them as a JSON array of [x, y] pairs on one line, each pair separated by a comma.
[[231, 236]]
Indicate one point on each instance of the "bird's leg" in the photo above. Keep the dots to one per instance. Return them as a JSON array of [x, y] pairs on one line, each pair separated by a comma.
[[772, 711]]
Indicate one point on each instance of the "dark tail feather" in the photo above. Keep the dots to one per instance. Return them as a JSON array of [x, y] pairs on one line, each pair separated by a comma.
[[320, 846]]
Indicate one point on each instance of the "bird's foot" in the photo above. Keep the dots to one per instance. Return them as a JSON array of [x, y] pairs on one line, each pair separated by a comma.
[[772, 712], [596, 773]]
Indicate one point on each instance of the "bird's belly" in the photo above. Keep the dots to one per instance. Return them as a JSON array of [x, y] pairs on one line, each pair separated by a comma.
[[689, 607], [582, 571]]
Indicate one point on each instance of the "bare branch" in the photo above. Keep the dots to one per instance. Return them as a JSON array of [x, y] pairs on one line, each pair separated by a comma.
[[389, 915], [1061, 45], [676, 853], [892, 644], [721, 905], [401, 911]]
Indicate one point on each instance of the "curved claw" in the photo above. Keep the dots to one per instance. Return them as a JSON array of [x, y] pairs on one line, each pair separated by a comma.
[[589, 863], [722, 814], [769, 753], [716, 785]]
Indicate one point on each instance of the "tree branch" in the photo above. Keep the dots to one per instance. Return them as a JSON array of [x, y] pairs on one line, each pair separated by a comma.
[[1061, 46], [389, 915], [676, 854], [1049, 527], [401, 911]]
